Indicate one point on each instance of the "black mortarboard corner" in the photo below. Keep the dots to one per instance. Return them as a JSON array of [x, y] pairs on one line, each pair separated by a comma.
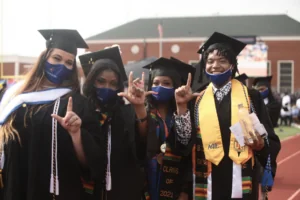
[[182, 68], [242, 78], [262, 81], [113, 53], [185, 70], [64, 39], [219, 38]]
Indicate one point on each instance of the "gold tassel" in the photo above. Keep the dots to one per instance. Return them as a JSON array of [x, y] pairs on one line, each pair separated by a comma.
[[1, 180]]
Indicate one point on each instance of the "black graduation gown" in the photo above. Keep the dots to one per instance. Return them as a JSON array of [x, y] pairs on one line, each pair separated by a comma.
[[27, 166], [273, 108], [127, 179], [222, 174], [149, 146]]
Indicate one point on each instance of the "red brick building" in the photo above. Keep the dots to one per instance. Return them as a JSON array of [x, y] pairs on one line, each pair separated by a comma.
[[13, 67], [182, 38]]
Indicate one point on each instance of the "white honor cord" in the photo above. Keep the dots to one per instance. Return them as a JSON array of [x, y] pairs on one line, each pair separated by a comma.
[[2, 158], [108, 173], [54, 184]]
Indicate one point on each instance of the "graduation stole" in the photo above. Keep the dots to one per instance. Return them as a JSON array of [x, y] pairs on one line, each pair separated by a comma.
[[202, 167], [11, 104], [31, 98], [210, 128], [167, 165]]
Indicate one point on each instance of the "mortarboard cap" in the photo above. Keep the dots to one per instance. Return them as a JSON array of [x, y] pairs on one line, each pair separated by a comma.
[[218, 38], [262, 81], [182, 68], [242, 78], [87, 60], [64, 39], [236, 45]]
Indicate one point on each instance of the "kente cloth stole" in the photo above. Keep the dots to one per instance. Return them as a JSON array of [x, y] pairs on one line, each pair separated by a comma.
[[164, 169], [209, 147]]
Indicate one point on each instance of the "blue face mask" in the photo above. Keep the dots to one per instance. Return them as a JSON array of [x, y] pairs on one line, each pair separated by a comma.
[[219, 79], [56, 73], [163, 94], [265, 93], [106, 95]]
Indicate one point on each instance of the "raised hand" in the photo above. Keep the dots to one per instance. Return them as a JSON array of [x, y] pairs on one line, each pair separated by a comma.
[[71, 122], [184, 93], [136, 94]]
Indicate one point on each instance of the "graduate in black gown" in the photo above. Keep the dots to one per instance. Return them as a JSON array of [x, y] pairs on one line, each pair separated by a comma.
[[223, 169], [263, 85], [162, 126], [105, 75], [49, 134]]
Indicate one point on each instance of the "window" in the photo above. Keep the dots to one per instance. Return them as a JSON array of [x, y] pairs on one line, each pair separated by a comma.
[[285, 76], [269, 69]]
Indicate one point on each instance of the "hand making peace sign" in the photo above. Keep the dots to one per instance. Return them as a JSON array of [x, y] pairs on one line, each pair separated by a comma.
[[71, 122]]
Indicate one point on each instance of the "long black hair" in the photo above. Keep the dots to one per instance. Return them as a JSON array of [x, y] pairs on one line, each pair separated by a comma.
[[89, 90]]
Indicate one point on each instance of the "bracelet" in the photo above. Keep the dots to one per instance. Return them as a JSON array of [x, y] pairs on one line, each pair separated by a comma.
[[142, 120]]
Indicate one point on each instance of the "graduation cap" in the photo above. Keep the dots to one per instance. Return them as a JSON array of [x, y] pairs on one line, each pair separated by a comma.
[[236, 45], [180, 67], [189, 69], [64, 39], [262, 81], [218, 38], [242, 78], [87, 60]]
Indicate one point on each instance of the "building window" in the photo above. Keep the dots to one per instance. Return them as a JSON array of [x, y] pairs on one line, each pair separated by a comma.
[[175, 48], [285, 76], [269, 69]]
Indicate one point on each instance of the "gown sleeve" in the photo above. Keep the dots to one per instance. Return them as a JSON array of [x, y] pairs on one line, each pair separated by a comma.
[[274, 142], [93, 140]]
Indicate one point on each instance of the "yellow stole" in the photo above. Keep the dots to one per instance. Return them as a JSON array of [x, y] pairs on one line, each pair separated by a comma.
[[210, 128]]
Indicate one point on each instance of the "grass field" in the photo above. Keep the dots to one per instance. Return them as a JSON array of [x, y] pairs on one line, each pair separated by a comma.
[[286, 131]]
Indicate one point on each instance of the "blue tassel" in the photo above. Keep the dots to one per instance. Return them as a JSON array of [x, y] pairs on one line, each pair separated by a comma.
[[267, 179]]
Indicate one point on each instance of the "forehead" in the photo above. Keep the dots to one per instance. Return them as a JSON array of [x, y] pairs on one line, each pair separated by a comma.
[[162, 78], [107, 73], [215, 54], [63, 54]]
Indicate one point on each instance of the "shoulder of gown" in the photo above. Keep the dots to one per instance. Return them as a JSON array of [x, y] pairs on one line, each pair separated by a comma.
[[274, 142], [93, 140]]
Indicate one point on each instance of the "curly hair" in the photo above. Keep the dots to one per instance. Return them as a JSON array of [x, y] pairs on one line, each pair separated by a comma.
[[225, 51]]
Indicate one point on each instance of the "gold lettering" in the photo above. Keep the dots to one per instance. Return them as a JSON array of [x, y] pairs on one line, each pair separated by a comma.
[[172, 170], [169, 181], [165, 193]]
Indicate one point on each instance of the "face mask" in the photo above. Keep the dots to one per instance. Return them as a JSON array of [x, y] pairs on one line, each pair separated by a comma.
[[265, 93], [56, 73], [219, 79], [106, 95], [163, 94]]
